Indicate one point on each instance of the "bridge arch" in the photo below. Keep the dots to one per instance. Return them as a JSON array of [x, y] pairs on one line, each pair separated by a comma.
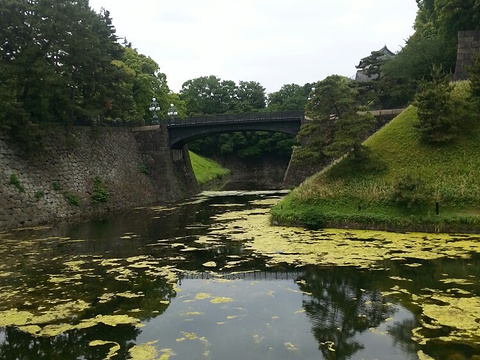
[[181, 132]]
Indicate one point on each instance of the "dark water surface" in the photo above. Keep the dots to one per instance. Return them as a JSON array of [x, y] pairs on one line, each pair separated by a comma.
[[211, 279]]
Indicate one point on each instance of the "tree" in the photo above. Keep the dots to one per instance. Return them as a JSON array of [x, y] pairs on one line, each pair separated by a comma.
[[148, 82], [369, 74], [437, 121], [250, 96], [208, 95], [457, 15], [434, 44], [335, 110], [58, 57], [290, 97]]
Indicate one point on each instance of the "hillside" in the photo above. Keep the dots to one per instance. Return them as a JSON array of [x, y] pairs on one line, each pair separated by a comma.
[[207, 171], [400, 188]]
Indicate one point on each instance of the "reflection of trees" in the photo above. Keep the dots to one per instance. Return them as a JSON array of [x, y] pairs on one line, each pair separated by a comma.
[[402, 335], [70, 345], [140, 295], [341, 306]]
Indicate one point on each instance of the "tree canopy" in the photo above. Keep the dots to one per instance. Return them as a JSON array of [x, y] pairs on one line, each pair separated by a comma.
[[61, 63], [433, 45], [209, 95], [337, 127]]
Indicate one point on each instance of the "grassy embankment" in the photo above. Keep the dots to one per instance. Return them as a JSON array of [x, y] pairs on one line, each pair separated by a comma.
[[207, 171], [348, 195]]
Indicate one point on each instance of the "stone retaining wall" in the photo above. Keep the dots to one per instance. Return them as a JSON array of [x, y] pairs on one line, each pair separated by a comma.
[[468, 47], [57, 182]]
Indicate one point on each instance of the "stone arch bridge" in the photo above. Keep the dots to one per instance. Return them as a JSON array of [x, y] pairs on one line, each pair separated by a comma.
[[181, 132]]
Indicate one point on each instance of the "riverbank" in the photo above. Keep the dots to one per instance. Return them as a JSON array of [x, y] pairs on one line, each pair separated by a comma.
[[404, 186]]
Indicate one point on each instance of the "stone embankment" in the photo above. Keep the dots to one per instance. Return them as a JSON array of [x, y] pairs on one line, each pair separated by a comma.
[[89, 172]]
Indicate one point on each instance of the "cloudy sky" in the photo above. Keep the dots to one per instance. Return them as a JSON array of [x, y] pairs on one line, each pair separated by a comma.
[[273, 42]]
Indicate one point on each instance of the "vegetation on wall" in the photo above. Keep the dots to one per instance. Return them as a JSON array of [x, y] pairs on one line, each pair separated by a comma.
[[100, 192], [15, 181]]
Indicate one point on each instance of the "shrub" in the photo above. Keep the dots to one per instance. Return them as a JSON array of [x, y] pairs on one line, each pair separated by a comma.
[[439, 121], [71, 198], [39, 194], [409, 191], [313, 218], [56, 186], [16, 182], [100, 193], [144, 169]]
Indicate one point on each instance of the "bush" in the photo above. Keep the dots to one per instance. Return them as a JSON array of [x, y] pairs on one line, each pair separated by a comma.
[[144, 169], [436, 120], [16, 182], [409, 191], [39, 194], [313, 218], [100, 193], [71, 198]]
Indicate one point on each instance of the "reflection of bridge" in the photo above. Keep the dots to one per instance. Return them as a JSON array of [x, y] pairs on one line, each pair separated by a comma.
[[183, 131], [243, 275]]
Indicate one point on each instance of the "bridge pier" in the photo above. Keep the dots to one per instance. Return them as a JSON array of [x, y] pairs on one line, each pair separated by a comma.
[[169, 170], [178, 155]]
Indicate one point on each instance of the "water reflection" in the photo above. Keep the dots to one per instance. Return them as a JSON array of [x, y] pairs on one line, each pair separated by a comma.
[[341, 307], [198, 281]]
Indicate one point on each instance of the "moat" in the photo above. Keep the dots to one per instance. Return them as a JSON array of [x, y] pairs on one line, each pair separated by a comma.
[[212, 279]]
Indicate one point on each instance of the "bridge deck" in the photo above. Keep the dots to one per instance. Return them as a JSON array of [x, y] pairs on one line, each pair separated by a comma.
[[236, 118]]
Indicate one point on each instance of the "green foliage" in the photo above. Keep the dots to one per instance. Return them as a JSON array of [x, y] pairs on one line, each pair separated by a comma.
[[444, 111], [74, 72], [39, 194], [247, 145], [56, 186], [142, 80], [16, 182], [289, 98], [434, 44], [72, 199], [361, 166], [400, 193], [313, 219], [350, 131], [100, 192], [474, 77], [334, 97], [209, 95], [66, 74], [144, 169], [437, 122], [338, 127], [409, 191]]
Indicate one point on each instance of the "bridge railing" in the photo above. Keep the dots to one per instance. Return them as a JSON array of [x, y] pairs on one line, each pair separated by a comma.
[[232, 118]]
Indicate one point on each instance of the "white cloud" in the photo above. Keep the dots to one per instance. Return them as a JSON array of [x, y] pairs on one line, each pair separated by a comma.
[[274, 42]]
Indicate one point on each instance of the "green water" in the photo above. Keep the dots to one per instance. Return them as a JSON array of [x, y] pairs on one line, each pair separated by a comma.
[[211, 279]]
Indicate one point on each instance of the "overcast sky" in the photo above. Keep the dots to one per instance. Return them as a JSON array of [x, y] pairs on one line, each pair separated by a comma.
[[273, 42]]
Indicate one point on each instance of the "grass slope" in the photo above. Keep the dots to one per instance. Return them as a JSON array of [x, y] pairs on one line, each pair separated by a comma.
[[346, 195], [206, 170]]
